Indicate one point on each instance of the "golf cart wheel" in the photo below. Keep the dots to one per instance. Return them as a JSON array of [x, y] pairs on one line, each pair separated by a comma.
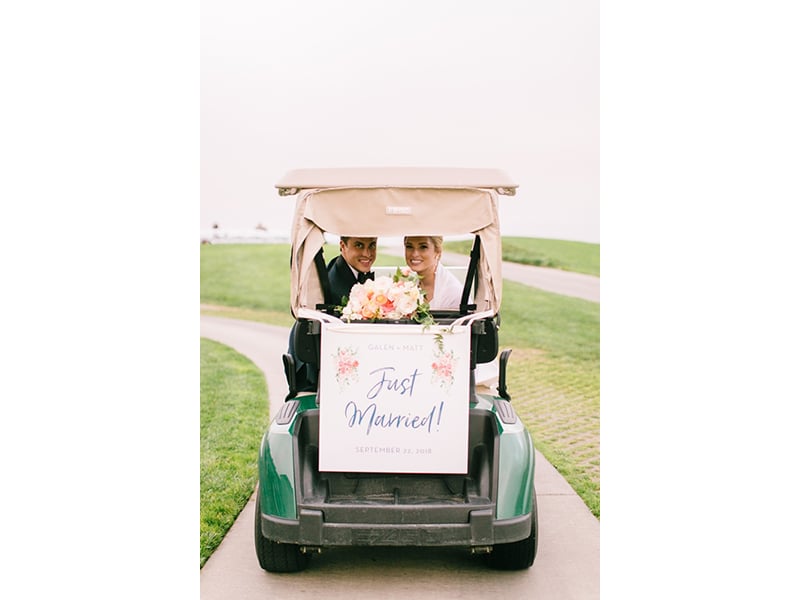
[[517, 555], [276, 557]]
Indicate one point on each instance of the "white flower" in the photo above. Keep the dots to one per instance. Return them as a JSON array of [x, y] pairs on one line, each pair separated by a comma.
[[384, 297]]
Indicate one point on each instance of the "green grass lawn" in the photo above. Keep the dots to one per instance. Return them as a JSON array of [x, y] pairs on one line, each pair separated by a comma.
[[234, 412], [247, 281], [554, 370], [580, 257], [554, 380]]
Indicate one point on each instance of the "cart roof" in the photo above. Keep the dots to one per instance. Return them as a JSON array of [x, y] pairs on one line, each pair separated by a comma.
[[395, 201], [396, 177]]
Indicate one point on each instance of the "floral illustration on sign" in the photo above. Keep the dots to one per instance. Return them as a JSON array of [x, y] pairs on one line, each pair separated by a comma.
[[346, 366], [444, 362]]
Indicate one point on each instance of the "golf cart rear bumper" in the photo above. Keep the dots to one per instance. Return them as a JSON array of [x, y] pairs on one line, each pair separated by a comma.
[[312, 530]]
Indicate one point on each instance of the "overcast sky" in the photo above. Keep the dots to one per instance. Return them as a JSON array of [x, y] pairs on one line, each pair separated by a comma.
[[509, 85]]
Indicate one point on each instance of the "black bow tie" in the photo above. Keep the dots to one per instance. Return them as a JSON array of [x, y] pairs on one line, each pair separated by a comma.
[[362, 277]]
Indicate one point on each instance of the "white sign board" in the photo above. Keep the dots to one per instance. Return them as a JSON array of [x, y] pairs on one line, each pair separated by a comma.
[[394, 398]]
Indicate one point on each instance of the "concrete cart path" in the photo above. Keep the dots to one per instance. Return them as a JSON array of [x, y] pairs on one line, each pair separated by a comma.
[[566, 283], [567, 566]]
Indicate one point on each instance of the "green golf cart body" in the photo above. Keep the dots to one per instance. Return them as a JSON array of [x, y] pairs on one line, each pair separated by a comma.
[[409, 479]]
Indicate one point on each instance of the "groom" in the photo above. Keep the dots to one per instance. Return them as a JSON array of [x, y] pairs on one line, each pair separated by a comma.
[[353, 265]]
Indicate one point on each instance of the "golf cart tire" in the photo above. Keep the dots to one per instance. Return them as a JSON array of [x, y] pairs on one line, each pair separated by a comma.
[[276, 557], [517, 555]]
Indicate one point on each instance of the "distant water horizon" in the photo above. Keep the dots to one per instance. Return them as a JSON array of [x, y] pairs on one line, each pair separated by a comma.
[[261, 235]]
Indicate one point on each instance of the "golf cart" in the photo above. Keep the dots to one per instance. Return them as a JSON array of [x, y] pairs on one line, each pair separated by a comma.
[[403, 443]]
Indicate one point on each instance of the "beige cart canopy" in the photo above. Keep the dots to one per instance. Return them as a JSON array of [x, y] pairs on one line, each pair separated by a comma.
[[394, 202]]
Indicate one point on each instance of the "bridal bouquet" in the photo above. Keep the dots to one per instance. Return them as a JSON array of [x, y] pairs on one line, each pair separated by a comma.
[[392, 298]]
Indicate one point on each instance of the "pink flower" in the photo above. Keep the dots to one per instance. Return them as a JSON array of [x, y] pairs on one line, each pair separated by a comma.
[[384, 297]]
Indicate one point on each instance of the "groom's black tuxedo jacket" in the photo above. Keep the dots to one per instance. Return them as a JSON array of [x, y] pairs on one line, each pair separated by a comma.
[[341, 279]]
